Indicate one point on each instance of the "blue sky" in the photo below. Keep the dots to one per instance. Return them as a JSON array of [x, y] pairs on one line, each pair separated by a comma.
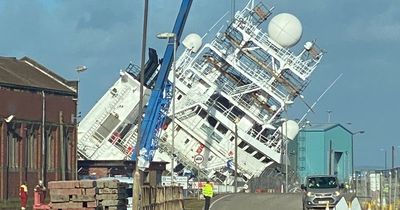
[[361, 39]]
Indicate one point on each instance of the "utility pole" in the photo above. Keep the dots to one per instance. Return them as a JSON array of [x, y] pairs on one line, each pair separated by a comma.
[[137, 178]]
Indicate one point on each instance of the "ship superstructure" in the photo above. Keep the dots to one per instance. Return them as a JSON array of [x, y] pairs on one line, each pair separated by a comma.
[[236, 86]]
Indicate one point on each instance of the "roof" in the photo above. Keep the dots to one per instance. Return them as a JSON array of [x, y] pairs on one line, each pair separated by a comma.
[[26, 73], [323, 127]]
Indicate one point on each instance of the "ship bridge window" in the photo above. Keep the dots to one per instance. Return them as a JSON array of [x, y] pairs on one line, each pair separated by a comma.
[[250, 150], [224, 102], [258, 155], [237, 112], [221, 128], [203, 114], [242, 144], [212, 121], [266, 160]]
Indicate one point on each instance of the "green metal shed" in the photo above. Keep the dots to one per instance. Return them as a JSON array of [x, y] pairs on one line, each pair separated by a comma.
[[324, 149]]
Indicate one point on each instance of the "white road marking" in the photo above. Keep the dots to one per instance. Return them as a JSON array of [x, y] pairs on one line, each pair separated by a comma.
[[219, 200]]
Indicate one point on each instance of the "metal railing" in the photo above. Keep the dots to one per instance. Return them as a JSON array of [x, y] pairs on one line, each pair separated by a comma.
[[378, 188]]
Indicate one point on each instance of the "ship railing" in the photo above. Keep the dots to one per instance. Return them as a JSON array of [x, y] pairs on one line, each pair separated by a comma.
[[183, 61], [128, 141], [245, 89], [249, 72], [165, 146], [211, 76], [224, 110], [295, 63], [227, 88], [86, 140], [223, 165], [124, 145], [272, 141], [187, 113]]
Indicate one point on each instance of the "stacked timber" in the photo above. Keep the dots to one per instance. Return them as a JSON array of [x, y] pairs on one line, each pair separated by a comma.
[[112, 195], [88, 195], [76, 195]]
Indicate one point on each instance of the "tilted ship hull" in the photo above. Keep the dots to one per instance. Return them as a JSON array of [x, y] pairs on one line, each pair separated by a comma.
[[236, 86]]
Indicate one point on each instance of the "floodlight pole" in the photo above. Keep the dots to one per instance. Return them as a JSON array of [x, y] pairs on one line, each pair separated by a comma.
[[168, 35], [137, 178]]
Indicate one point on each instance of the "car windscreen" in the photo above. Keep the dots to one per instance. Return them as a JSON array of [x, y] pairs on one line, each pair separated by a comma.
[[321, 182]]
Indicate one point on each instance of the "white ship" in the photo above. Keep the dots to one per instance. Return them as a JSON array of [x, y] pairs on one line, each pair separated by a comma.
[[242, 80]]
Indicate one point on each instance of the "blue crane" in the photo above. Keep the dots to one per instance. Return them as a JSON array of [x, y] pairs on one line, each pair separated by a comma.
[[160, 97]]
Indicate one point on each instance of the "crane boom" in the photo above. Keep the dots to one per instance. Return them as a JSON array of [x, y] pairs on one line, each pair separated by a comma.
[[153, 115]]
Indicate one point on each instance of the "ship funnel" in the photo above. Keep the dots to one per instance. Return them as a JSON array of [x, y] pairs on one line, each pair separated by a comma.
[[290, 129], [192, 42]]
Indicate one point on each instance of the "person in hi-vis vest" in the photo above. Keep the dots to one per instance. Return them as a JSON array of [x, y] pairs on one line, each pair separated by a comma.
[[208, 194]]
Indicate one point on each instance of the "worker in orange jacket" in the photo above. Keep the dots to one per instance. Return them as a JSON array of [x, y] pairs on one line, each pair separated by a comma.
[[23, 195]]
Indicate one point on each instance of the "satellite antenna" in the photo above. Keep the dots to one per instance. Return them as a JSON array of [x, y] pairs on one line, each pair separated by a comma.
[[319, 98]]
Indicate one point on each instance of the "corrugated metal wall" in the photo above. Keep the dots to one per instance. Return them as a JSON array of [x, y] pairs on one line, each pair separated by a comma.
[[22, 155]]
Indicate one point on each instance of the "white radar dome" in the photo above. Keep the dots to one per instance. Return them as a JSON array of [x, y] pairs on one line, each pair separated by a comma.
[[290, 129], [285, 29], [193, 42]]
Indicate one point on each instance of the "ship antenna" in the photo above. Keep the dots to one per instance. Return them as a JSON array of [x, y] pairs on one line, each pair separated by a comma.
[[219, 20], [319, 98]]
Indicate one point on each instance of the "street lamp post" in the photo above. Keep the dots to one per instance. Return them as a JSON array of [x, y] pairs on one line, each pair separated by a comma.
[[136, 174], [285, 140], [352, 154], [168, 35], [79, 69]]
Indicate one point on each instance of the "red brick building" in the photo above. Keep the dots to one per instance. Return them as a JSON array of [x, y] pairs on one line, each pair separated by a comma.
[[37, 126]]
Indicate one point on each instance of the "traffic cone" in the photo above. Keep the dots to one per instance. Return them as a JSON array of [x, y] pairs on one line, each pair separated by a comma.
[[327, 206]]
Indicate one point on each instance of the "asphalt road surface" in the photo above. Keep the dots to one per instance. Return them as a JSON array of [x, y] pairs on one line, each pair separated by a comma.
[[257, 201]]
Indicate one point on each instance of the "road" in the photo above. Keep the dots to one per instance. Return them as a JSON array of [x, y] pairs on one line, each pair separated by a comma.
[[257, 201]]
